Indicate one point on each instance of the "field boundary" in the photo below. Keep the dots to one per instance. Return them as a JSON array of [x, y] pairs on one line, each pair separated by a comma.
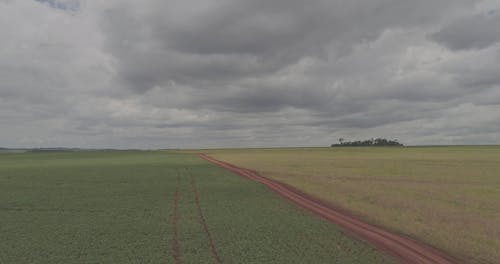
[[405, 249]]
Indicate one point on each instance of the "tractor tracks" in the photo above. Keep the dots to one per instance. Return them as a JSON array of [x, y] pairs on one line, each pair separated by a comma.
[[175, 220], [185, 208], [203, 221]]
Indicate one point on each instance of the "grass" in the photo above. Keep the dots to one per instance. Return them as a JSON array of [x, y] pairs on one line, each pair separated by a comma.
[[448, 197], [120, 207]]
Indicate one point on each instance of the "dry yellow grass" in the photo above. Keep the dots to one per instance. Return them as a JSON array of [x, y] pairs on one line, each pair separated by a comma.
[[448, 197]]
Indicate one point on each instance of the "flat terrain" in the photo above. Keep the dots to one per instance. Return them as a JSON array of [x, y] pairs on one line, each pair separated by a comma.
[[445, 196], [154, 207], [406, 250]]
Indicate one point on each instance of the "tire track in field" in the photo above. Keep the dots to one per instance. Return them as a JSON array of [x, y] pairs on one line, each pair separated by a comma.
[[405, 249], [203, 222], [175, 220]]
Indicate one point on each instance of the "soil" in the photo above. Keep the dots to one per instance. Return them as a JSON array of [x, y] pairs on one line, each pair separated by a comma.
[[404, 248]]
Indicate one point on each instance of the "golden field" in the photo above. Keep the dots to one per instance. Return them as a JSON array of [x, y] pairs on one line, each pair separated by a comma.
[[448, 197]]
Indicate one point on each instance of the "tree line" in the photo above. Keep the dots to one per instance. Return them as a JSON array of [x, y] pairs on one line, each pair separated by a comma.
[[369, 142]]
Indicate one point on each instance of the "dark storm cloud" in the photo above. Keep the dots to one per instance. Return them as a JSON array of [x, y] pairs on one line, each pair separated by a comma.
[[254, 27], [472, 32], [229, 41], [232, 40]]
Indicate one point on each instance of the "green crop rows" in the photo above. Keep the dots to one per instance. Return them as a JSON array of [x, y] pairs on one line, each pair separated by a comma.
[[131, 207]]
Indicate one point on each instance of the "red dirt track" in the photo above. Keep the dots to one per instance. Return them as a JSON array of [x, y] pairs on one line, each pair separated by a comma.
[[403, 248]]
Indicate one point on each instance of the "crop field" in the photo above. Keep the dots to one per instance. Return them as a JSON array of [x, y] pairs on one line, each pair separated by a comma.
[[155, 207], [448, 197]]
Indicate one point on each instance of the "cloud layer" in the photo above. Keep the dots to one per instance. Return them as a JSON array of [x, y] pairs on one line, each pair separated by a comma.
[[154, 74]]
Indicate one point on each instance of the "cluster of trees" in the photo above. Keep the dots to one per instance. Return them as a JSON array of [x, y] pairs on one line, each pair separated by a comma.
[[370, 142]]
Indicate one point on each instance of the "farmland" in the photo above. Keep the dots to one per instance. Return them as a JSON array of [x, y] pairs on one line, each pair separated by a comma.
[[445, 196], [154, 207]]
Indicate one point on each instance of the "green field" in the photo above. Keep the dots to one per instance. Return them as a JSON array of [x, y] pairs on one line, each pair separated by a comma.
[[131, 207], [448, 197]]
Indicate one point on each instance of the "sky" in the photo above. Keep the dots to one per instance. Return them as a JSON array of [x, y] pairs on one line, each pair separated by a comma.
[[238, 73]]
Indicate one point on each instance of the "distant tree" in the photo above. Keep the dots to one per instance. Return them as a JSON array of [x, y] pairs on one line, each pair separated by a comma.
[[369, 142]]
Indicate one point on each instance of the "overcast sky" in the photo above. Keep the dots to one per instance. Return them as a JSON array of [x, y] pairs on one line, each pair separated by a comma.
[[228, 73]]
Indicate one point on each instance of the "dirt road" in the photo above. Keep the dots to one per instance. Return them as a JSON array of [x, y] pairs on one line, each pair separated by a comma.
[[403, 248]]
